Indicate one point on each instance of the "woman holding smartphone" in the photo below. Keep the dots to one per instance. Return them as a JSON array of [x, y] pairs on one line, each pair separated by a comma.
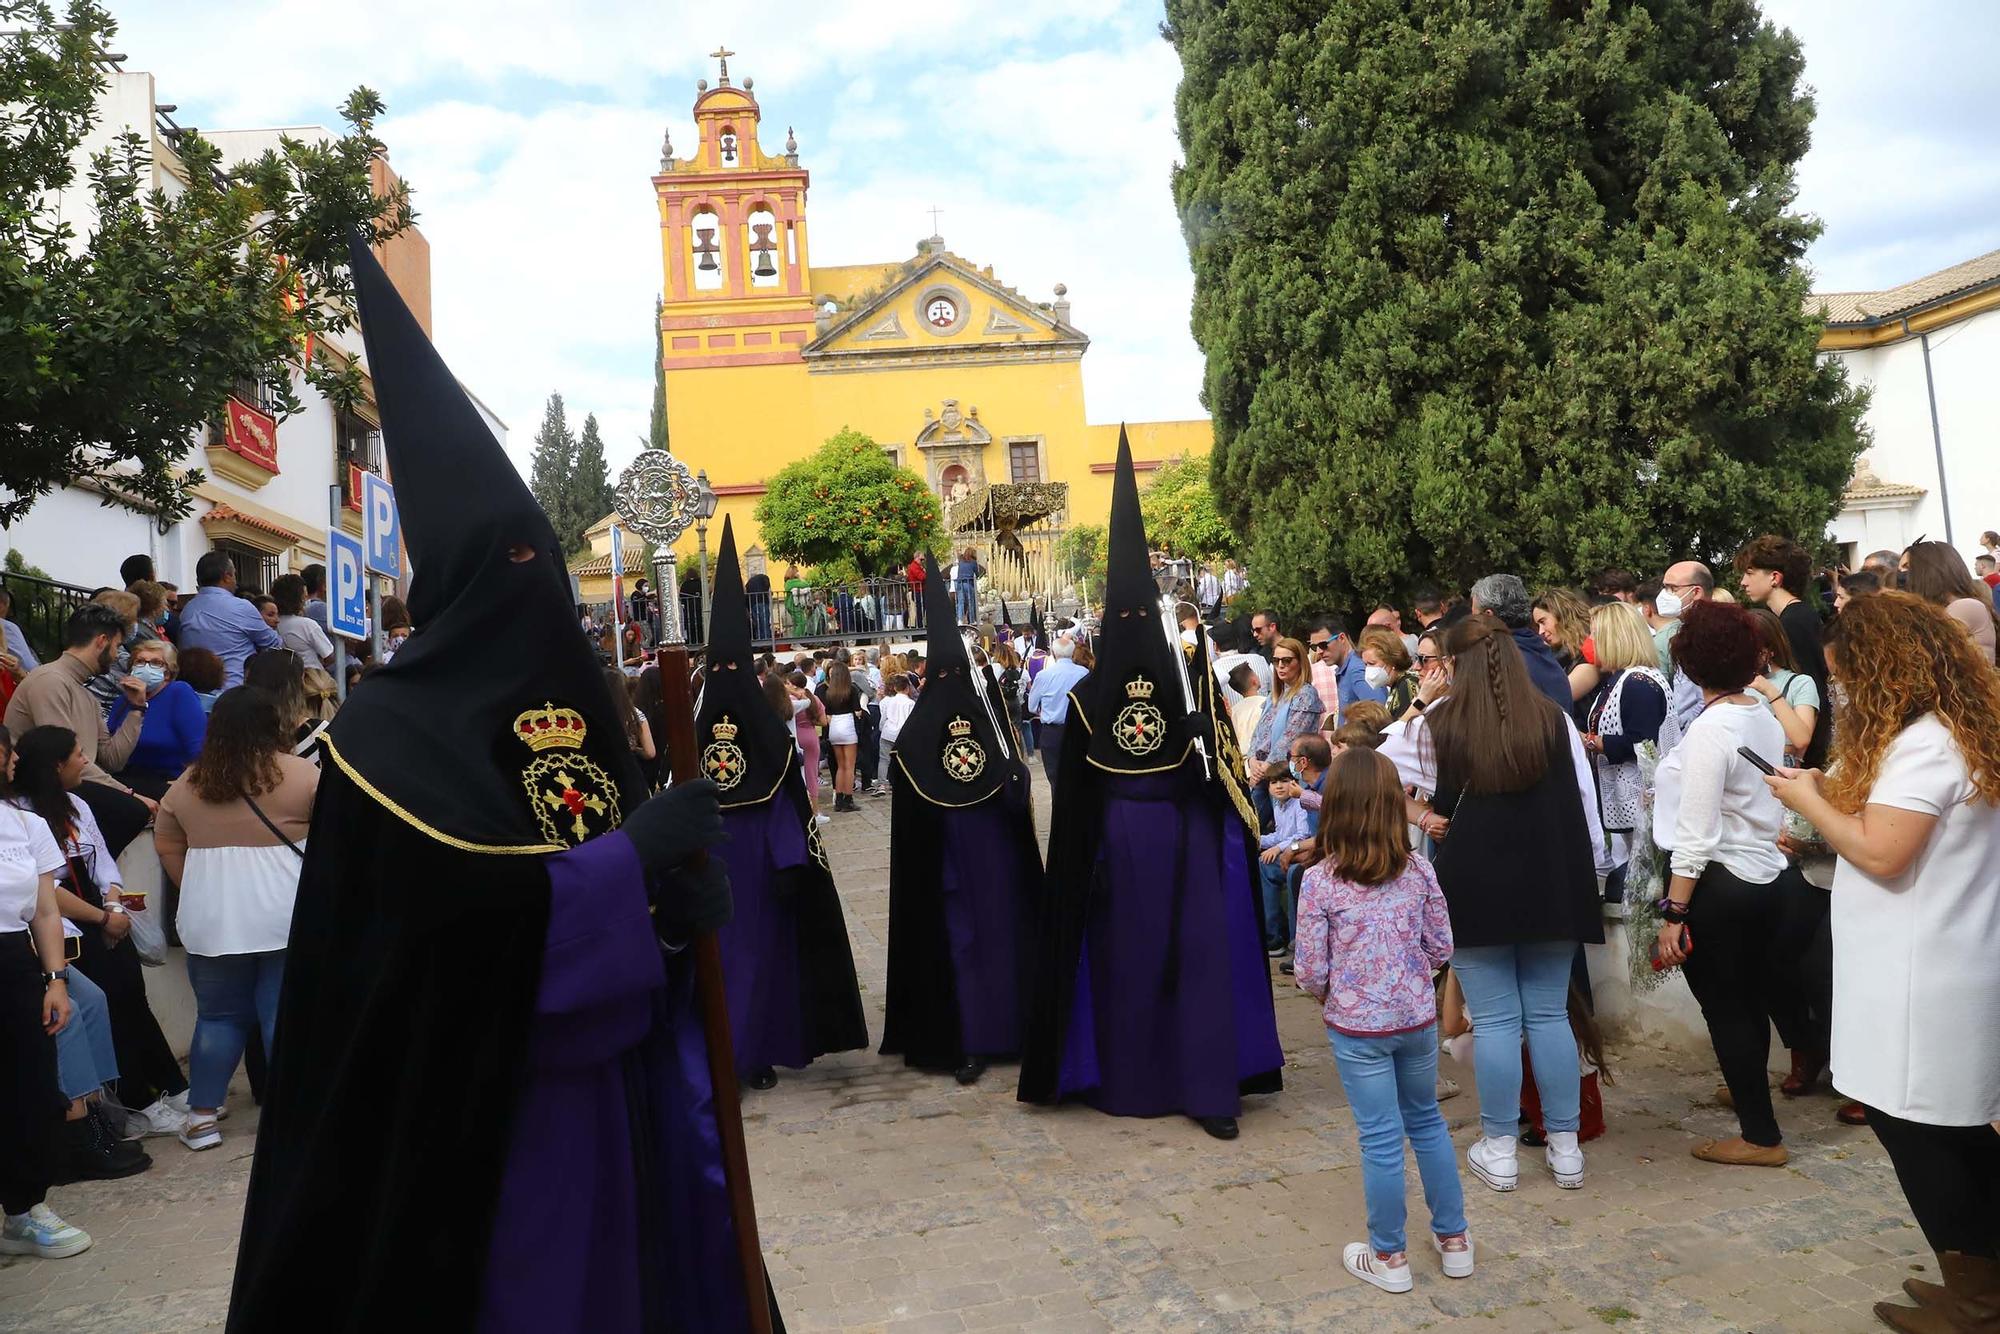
[[1738, 918]]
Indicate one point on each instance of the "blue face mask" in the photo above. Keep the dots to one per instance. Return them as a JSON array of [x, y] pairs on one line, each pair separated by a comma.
[[152, 674]]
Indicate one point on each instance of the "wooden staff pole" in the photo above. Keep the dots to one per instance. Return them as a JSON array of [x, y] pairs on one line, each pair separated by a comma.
[[677, 707]]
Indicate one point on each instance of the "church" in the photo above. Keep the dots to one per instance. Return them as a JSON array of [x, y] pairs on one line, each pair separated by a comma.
[[965, 381]]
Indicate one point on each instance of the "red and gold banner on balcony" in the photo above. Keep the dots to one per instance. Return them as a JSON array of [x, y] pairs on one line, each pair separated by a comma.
[[251, 434]]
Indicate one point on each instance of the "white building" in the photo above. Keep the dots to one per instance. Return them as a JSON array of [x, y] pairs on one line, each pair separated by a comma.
[[1929, 352], [269, 493]]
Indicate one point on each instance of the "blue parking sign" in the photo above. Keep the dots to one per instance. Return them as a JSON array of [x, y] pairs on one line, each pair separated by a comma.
[[347, 586], [382, 535]]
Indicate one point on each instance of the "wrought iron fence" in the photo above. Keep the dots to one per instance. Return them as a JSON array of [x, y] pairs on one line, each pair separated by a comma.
[[42, 609]]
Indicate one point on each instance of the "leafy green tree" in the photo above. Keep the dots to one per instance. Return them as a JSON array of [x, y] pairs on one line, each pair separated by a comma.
[[552, 472], [117, 346], [1085, 551], [848, 505], [1491, 286], [1179, 508], [590, 496], [657, 436]]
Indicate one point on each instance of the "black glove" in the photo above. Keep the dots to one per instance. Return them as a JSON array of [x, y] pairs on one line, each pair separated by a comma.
[[1202, 728], [691, 900], [671, 826]]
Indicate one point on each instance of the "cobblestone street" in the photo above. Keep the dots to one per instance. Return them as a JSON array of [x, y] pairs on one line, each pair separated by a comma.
[[895, 1201]]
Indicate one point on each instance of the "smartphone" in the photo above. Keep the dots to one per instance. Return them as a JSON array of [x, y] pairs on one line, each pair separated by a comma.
[[1757, 760], [1687, 946]]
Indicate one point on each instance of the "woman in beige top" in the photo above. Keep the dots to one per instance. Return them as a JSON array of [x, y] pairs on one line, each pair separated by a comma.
[[232, 831], [1935, 572]]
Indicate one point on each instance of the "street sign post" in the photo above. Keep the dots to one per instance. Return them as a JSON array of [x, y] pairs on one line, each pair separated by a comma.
[[382, 532], [346, 586]]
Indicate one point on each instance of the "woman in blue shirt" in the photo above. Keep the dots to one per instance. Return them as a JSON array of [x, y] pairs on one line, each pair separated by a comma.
[[175, 723]]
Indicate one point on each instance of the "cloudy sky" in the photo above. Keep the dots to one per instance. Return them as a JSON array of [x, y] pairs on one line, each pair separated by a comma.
[[1042, 128]]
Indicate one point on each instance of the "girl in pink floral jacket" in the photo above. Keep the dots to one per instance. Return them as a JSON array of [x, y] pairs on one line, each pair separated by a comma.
[[1371, 930]]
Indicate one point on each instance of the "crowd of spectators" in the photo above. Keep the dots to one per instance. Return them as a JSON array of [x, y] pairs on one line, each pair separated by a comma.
[[171, 746]]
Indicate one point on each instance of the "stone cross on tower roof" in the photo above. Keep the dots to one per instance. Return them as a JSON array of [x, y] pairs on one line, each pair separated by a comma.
[[722, 53]]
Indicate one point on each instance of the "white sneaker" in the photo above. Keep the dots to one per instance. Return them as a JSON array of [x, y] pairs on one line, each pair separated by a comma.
[[1457, 1264], [199, 1134], [41, 1232], [1364, 1264], [1565, 1159], [822, 819], [162, 1118], [1493, 1161]]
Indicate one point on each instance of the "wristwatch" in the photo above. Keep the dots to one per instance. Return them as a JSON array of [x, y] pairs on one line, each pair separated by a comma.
[[114, 907], [1293, 846], [1417, 703], [59, 975]]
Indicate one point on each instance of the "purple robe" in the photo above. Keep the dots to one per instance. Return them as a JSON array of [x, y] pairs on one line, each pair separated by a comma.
[[616, 1037], [1147, 1037], [984, 890], [760, 946]]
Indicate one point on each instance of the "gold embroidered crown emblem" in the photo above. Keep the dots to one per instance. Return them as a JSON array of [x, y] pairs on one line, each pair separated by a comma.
[[550, 728], [1139, 688], [960, 727], [724, 730]]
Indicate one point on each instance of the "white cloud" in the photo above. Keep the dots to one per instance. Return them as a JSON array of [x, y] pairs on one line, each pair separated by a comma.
[[1042, 128]]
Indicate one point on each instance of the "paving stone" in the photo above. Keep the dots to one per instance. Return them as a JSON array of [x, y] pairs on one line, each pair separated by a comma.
[[894, 1200]]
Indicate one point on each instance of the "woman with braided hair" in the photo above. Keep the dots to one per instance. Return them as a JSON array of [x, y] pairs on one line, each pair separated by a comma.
[[1512, 810]]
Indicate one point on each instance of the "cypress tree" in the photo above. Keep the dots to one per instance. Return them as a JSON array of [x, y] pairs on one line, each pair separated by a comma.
[[658, 435], [590, 482], [1501, 285], [552, 469]]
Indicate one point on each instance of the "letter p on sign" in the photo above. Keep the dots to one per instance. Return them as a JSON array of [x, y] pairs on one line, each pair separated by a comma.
[[383, 537]]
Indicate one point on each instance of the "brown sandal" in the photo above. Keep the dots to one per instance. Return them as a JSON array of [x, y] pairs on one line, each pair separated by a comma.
[[1741, 1153]]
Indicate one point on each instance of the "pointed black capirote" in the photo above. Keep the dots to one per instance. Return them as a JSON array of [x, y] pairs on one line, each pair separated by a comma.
[[1135, 700], [950, 745], [1038, 632], [745, 746], [434, 735], [944, 643]]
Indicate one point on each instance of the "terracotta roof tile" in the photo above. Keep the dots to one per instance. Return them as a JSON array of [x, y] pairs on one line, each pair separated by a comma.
[[1876, 307], [220, 513]]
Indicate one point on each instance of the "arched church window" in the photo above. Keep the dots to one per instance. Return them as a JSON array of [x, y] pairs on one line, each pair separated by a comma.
[[763, 248], [728, 145], [705, 231]]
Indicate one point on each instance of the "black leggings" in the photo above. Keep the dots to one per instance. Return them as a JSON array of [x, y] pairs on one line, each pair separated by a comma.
[[31, 1101], [1747, 947], [147, 1067], [1951, 1177]]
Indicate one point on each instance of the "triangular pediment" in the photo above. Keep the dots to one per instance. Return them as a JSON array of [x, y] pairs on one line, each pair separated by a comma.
[[940, 307]]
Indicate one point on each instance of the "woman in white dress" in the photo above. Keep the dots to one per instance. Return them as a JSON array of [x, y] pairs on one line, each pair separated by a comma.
[[1912, 809]]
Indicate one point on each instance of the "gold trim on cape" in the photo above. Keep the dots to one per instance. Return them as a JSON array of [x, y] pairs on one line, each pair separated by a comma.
[[402, 813]]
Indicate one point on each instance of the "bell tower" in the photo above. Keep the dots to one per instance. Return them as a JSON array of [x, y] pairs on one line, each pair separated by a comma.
[[733, 238]]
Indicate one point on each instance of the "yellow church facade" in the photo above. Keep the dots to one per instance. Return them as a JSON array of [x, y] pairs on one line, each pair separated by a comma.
[[961, 378]]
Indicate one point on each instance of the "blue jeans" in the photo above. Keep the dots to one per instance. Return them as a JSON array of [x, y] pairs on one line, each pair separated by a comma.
[[968, 603], [231, 992], [1509, 989], [1391, 1087], [1277, 906], [86, 1058]]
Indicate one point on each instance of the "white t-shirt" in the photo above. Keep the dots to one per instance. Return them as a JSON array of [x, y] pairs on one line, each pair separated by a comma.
[[1916, 987], [896, 710], [27, 852], [1712, 805], [303, 636]]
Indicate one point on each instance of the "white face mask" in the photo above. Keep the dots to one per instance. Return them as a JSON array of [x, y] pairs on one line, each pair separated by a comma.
[[1377, 677], [1187, 637], [152, 674], [1668, 603]]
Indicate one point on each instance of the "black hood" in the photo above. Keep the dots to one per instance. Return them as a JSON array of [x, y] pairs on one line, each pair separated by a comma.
[[745, 746], [491, 729], [954, 751], [1134, 702], [1038, 633]]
